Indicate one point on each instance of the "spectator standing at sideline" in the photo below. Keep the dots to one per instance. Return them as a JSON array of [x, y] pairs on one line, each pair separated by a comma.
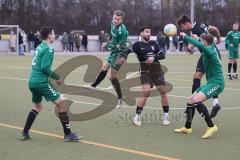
[[161, 40], [37, 39], [65, 42], [12, 42], [31, 40], [85, 41], [71, 41], [20, 43], [78, 41]]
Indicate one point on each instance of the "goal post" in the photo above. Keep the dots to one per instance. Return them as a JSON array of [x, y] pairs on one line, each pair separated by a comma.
[[5, 31]]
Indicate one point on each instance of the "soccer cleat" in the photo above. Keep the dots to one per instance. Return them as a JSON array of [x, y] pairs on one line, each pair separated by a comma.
[[166, 121], [119, 104], [235, 76], [215, 110], [183, 130], [210, 131], [24, 136], [72, 137], [137, 120], [89, 87], [230, 77]]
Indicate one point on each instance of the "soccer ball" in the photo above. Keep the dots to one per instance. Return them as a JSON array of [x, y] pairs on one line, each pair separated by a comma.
[[170, 30]]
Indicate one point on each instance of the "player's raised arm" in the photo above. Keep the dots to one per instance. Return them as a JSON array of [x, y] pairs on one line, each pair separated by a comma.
[[196, 43], [215, 32], [160, 54]]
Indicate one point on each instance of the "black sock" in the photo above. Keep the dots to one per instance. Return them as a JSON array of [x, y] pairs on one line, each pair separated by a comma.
[[139, 110], [202, 109], [65, 122], [196, 84], [100, 77], [165, 109], [190, 111], [234, 67], [117, 87], [229, 67], [30, 119]]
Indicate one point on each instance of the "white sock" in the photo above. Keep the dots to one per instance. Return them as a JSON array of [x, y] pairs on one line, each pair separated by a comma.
[[138, 115], [215, 101], [165, 114]]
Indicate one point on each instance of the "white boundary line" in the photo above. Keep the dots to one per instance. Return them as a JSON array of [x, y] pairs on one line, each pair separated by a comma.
[[154, 108]]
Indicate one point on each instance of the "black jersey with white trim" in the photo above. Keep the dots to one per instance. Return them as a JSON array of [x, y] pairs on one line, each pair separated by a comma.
[[144, 51], [199, 28]]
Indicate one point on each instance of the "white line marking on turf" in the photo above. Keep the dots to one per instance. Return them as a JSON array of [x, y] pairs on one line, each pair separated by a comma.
[[14, 78], [154, 108], [110, 87]]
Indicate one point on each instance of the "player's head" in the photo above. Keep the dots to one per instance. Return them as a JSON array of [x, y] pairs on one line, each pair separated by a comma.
[[184, 22], [47, 34], [236, 26], [207, 39], [118, 16], [145, 33]]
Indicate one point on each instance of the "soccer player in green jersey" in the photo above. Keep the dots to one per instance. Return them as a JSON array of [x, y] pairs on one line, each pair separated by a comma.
[[233, 42], [118, 47], [214, 85], [40, 87]]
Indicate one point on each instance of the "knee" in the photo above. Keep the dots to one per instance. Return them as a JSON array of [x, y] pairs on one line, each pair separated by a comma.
[[198, 75], [105, 67], [38, 107], [62, 106], [191, 100]]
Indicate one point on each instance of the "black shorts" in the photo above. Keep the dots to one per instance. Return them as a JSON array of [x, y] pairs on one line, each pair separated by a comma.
[[200, 67], [153, 78]]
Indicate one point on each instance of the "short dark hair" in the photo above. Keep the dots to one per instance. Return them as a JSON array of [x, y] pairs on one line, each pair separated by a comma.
[[207, 37], [143, 28], [183, 19], [236, 23], [45, 31], [119, 13]]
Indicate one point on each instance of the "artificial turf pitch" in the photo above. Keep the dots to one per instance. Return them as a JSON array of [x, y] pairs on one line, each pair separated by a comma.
[[112, 136]]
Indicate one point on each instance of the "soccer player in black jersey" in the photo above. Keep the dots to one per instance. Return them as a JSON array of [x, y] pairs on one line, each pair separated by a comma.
[[199, 28], [149, 53]]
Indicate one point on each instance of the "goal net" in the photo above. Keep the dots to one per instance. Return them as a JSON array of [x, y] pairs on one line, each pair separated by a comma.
[[9, 39]]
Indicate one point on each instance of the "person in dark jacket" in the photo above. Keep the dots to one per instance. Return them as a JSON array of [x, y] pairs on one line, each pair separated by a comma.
[[85, 41]]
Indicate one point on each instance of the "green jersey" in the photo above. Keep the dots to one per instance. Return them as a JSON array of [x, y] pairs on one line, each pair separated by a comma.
[[211, 61], [119, 36], [233, 39], [41, 66]]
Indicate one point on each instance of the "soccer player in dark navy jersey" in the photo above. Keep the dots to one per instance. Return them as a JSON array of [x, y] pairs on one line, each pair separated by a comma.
[[149, 53], [198, 29]]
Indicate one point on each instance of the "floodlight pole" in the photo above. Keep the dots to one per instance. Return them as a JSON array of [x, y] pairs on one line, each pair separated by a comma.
[[192, 10]]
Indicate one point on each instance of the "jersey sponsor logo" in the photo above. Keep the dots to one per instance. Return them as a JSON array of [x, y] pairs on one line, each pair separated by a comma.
[[213, 90], [52, 90]]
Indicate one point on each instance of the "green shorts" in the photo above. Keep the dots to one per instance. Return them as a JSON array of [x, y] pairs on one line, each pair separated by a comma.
[[233, 53], [211, 89], [112, 60], [46, 91]]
